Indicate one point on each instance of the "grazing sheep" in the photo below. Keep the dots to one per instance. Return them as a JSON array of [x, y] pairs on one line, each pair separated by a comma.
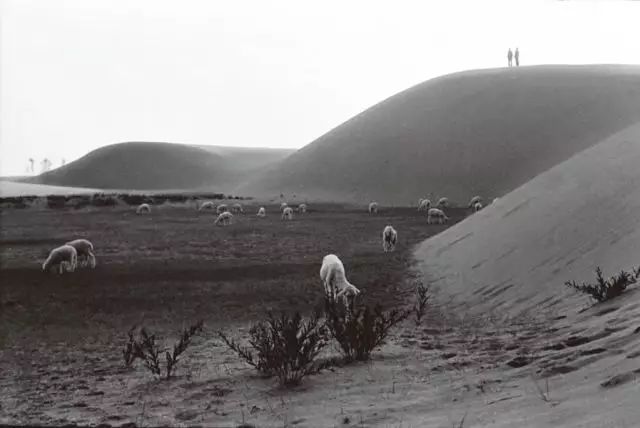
[[373, 208], [84, 250], [438, 214], [443, 202], [283, 206], [495, 200], [64, 257], [477, 207], [287, 214], [389, 238], [237, 208], [424, 205], [302, 208], [222, 208], [474, 201], [224, 218], [143, 208], [208, 205], [262, 212], [335, 281]]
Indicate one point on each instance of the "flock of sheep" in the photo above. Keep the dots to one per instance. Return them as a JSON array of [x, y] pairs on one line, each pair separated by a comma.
[[332, 272]]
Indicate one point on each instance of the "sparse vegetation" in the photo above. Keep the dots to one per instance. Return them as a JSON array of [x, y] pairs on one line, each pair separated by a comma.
[[360, 331], [604, 289], [146, 349], [422, 298], [285, 346]]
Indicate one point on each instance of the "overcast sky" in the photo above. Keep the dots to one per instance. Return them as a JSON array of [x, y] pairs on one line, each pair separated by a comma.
[[80, 74]]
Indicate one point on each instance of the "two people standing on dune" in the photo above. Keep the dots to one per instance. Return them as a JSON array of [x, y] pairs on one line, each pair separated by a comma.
[[510, 56]]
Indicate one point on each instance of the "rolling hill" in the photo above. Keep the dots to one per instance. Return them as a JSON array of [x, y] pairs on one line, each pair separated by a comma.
[[477, 132], [155, 166]]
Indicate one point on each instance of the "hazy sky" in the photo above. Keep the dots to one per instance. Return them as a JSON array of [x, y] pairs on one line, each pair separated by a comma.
[[76, 75]]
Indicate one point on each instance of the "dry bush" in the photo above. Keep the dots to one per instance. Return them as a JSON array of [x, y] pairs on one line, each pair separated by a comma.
[[361, 330], [285, 347], [422, 298], [604, 290]]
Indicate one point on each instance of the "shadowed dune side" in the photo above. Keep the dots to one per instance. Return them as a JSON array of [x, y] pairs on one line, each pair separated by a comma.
[[476, 132], [515, 255]]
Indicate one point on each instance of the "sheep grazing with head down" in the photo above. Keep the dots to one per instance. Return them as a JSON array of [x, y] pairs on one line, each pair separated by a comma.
[[335, 282], [373, 208], [222, 208], [65, 258], [477, 207], [283, 206], [474, 201], [443, 202], [84, 250], [424, 205], [262, 212], [389, 239], [437, 215], [302, 208], [287, 214], [208, 205], [237, 208], [224, 218], [143, 209], [495, 200]]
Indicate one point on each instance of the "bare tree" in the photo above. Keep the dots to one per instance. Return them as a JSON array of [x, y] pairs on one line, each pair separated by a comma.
[[46, 165], [31, 161]]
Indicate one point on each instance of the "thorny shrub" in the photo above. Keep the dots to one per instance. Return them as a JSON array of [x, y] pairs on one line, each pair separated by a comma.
[[422, 298], [603, 289], [359, 331], [284, 346]]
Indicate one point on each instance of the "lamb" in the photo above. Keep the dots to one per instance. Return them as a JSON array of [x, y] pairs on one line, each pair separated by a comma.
[[224, 218], [237, 208], [477, 207], [84, 250], [424, 205], [335, 281], [438, 214], [287, 214], [474, 201], [373, 208], [143, 208], [65, 258], [283, 206], [208, 205], [389, 238], [443, 202], [302, 208], [262, 212], [222, 208]]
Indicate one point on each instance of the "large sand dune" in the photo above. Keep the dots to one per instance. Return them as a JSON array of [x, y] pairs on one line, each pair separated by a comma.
[[477, 132]]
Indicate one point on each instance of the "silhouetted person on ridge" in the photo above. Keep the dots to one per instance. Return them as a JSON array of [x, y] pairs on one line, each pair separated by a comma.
[[517, 56], [510, 57]]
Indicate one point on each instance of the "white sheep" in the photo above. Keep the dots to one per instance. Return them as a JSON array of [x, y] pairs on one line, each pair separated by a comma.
[[262, 212], [84, 250], [64, 257], [302, 208], [443, 202], [438, 214], [283, 206], [224, 218], [287, 214], [143, 208], [477, 207], [373, 208], [208, 205], [495, 200], [222, 208], [389, 238], [335, 281], [474, 201], [424, 205], [237, 208]]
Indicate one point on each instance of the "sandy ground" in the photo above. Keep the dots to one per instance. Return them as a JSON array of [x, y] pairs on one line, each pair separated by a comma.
[[12, 188]]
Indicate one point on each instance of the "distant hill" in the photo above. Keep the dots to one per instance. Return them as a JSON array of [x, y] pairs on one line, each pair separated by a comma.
[[153, 166], [477, 132]]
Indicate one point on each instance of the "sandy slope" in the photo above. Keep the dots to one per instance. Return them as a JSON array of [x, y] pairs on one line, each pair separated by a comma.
[[11, 188]]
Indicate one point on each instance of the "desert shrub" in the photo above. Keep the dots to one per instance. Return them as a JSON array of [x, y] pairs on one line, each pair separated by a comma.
[[102, 200], [56, 201], [285, 347], [606, 289], [422, 298], [134, 199], [361, 330], [145, 348], [80, 201]]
